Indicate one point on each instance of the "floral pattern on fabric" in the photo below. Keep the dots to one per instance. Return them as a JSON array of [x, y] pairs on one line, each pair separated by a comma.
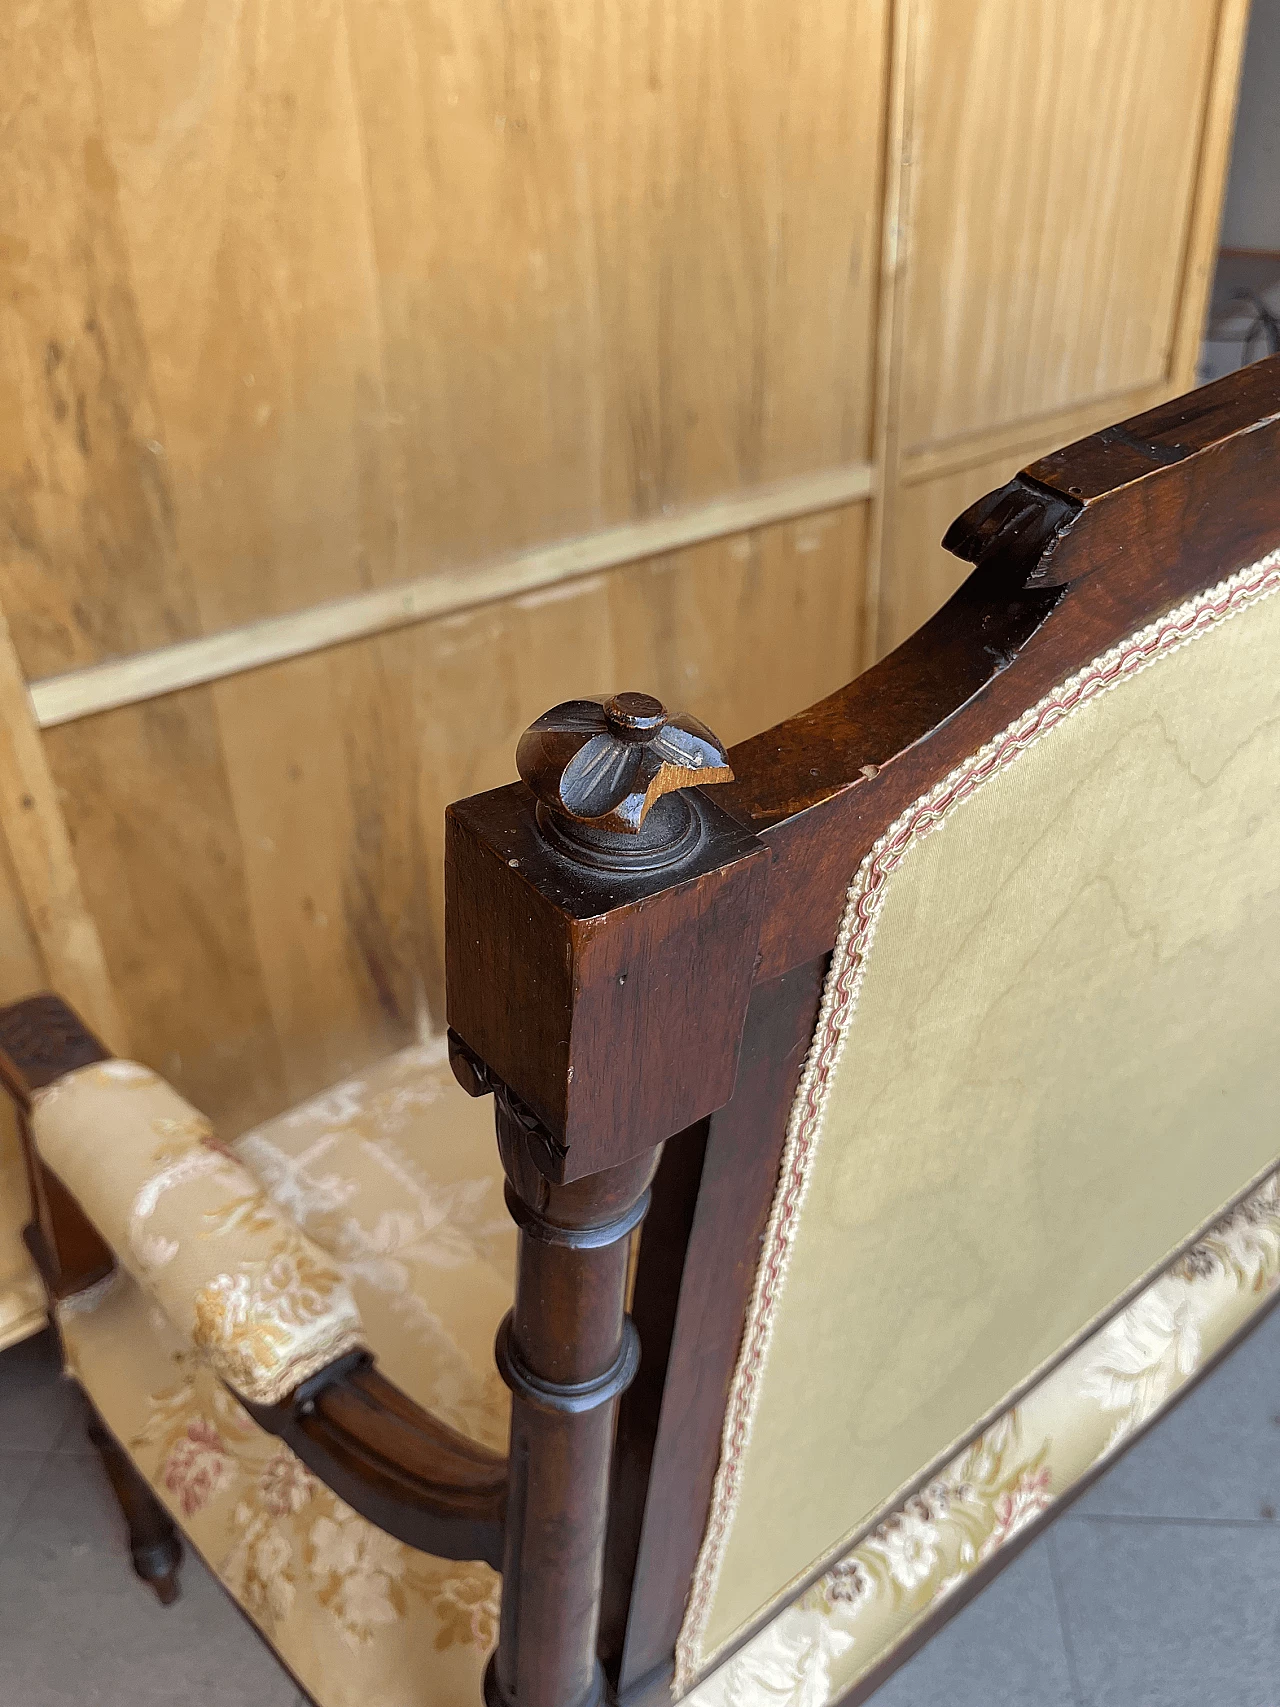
[[395, 1174], [396, 1179], [1107, 1389], [289, 1534], [193, 1225]]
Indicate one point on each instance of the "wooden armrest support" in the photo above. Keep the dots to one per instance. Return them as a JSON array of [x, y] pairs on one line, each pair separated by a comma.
[[42, 1039], [394, 1463]]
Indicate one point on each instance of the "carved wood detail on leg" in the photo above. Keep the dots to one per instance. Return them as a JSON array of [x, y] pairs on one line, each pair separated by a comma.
[[153, 1540], [567, 1351]]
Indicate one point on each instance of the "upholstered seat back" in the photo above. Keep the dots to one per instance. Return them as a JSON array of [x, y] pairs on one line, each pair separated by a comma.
[[1049, 1052]]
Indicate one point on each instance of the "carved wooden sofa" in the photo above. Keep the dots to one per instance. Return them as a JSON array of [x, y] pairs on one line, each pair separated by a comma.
[[886, 1113]]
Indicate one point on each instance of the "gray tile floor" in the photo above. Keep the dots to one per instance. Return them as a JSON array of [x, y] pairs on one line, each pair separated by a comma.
[[1160, 1588]]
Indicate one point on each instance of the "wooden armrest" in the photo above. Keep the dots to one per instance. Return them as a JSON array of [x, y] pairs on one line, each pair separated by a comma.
[[396, 1464], [40, 1040]]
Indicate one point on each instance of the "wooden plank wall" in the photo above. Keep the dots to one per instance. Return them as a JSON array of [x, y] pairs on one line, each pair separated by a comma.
[[318, 304], [1060, 177]]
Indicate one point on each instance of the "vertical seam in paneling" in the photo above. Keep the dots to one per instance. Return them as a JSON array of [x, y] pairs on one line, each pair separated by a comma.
[[43, 860], [895, 255], [375, 274]]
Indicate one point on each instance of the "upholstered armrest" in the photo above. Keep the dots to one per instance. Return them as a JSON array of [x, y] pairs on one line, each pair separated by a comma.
[[258, 1298], [121, 1167]]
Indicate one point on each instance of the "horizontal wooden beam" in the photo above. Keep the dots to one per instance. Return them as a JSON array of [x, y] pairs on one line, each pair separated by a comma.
[[167, 669]]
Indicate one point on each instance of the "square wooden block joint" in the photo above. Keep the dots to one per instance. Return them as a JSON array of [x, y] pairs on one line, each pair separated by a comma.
[[612, 1005]]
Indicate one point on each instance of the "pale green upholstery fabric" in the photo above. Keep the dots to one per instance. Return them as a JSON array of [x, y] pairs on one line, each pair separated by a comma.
[[1049, 1052], [1084, 1412]]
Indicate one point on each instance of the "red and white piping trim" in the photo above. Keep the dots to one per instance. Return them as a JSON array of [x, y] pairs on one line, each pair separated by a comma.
[[1188, 622]]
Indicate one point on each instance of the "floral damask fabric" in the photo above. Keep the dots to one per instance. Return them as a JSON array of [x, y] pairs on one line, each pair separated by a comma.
[[395, 1177], [356, 1616], [193, 1226], [395, 1174], [1071, 1422]]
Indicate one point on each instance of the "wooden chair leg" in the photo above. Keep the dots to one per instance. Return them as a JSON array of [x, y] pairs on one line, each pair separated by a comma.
[[153, 1540]]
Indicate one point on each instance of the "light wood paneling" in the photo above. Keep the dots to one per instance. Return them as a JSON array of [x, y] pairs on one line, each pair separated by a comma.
[[631, 245], [1046, 249], [22, 973], [149, 806], [371, 301], [1209, 191], [42, 864], [144, 675], [234, 139], [1053, 153], [88, 558], [271, 908], [384, 290]]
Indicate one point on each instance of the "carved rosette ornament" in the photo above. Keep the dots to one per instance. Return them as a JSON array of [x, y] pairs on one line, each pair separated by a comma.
[[607, 774]]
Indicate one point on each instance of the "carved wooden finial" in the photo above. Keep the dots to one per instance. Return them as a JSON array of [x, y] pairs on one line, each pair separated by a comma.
[[604, 763]]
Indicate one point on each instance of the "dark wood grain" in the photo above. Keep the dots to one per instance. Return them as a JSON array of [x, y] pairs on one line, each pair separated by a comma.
[[607, 762], [742, 1153], [394, 1463], [41, 1038], [820, 788], [610, 1002], [154, 1546], [567, 1352], [659, 1271], [1093, 468]]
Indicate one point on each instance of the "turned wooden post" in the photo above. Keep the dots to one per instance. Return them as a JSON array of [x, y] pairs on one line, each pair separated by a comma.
[[567, 1351], [601, 926]]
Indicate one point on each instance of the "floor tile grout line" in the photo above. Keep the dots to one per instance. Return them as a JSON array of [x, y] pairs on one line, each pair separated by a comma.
[[1064, 1621]]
